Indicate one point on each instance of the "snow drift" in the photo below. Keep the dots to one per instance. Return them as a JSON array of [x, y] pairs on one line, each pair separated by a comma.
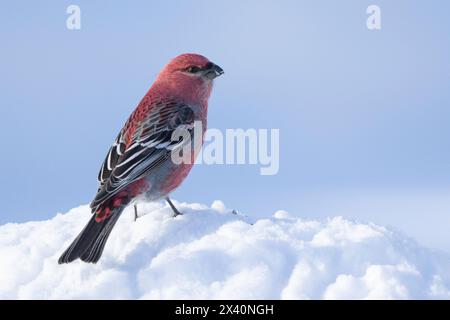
[[209, 252]]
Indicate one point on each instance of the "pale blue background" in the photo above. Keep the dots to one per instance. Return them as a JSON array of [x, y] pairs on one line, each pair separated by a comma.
[[363, 115]]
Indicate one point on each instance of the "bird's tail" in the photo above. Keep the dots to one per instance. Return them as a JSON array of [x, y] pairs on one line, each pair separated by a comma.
[[89, 244]]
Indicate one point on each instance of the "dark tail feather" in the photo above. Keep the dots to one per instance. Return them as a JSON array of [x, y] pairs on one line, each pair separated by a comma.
[[92, 239]]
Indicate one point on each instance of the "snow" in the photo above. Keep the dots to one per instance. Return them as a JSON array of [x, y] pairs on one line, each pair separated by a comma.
[[211, 252]]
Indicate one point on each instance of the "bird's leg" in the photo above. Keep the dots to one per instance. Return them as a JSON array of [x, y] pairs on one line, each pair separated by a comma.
[[175, 210], [135, 212]]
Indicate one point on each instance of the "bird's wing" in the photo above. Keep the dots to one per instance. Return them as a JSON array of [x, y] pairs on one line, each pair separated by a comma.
[[141, 147], [114, 153]]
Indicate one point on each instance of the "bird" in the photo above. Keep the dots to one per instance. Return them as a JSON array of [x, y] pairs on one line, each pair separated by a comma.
[[139, 162]]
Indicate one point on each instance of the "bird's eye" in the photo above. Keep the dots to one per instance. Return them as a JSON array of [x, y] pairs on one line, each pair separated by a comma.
[[192, 69]]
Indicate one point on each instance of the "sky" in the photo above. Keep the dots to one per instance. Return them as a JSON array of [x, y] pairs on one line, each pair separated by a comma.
[[363, 114]]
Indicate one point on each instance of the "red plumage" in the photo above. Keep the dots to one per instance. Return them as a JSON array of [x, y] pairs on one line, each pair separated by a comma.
[[139, 162]]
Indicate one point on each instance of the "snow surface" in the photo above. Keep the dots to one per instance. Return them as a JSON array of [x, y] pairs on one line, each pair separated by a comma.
[[211, 253]]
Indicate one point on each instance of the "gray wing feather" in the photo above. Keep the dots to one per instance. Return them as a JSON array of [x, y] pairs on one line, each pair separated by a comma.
[[151, 146]]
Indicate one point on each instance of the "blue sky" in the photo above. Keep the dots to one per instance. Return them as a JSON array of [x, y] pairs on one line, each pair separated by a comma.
[[363, 115]]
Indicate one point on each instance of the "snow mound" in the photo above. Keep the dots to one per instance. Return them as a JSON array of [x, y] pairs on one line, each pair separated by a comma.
[[214, 253]]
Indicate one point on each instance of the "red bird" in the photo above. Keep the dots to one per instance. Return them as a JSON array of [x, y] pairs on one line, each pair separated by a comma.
[[139, 162]]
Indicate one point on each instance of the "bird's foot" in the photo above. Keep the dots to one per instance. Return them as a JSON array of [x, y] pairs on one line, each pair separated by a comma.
[[237, 213], [136, 216], [174, 209]]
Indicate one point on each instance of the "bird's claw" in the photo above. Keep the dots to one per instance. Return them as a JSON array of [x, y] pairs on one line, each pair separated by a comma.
[[136, 216], [174, 209]]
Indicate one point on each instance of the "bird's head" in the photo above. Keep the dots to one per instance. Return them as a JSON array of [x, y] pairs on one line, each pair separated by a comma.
[[190, 75]]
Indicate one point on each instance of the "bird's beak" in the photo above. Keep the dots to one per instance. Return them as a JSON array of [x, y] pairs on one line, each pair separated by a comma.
[[212, 71]]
